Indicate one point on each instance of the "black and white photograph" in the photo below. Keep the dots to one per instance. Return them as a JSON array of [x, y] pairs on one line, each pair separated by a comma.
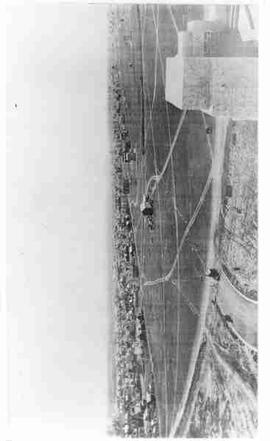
[[131, 188], [183, 105]]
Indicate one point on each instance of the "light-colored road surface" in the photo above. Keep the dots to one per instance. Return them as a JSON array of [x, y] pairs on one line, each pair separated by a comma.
[[219, 147], [157, 177], [239, 293], [242, 311]]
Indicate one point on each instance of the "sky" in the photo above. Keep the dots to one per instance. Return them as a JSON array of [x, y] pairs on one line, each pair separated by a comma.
[[58, 191]]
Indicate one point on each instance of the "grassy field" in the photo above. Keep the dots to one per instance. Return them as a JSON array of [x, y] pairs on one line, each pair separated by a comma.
[[171, 322], [222, 401], [238, 245]]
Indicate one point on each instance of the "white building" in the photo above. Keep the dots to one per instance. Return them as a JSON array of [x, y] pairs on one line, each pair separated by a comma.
[[218, 85]]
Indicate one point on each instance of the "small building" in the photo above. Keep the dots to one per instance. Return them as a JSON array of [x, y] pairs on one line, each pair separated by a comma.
[[127, 146], [229, 191], [118, 203], [234, 138], [132, 250], [127, 257], [124, 205], [138, 349], [130, 156], [126, 186], [146, 206], [124, 134], [135, 271]]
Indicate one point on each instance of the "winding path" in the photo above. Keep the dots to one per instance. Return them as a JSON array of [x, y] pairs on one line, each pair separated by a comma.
[[157, 177], [187, 229], [241, 309], [237, 291]]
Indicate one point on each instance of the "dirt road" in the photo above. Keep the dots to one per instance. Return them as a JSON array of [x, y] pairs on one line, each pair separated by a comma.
[[219, 147], [242, 311]]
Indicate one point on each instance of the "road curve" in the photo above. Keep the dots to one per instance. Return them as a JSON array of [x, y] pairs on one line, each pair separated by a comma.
[[237, 291], [242, 310]]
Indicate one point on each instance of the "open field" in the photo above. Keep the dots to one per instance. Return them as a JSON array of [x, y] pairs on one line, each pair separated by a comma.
[[172, 257], [163, 308], [222, 399], [238, 220]]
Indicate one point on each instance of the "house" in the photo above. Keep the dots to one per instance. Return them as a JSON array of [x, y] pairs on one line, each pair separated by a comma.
[[229, 191], [125, 205], [132, 250], [124, 134], [127, 146], [135, 271], [130, 156], [118, 203], [126, 186]]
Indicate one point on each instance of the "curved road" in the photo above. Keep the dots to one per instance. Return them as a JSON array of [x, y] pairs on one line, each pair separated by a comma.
[[242, 310], [238, 291]]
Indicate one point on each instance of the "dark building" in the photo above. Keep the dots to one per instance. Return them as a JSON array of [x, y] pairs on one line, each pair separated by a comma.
[[135, 271], [126, 186], [229, 191]]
